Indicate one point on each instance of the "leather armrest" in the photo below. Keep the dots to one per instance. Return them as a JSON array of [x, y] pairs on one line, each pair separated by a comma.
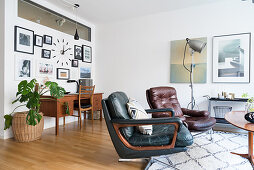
[[195, 113], [161, 111], [152, 121]]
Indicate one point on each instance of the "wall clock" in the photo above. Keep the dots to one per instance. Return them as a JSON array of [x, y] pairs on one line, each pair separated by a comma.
[[62, 52]]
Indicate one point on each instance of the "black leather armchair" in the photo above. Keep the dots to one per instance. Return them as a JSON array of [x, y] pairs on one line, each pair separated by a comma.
[[169, 134]]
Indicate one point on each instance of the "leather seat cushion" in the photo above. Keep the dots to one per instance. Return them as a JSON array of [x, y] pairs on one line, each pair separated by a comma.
[[200, 123], [165, 97], [117, 103], [76, 105], [162, 135]]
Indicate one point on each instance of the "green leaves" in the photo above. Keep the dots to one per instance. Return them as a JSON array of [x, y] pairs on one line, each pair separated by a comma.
[[30, 95], [32, 116], [55, 90], [8, 121]]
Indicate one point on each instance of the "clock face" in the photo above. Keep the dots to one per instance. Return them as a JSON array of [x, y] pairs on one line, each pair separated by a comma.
[[62, 52]]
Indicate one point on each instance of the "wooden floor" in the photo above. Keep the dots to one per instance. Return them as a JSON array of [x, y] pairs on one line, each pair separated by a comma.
[[89, 148]]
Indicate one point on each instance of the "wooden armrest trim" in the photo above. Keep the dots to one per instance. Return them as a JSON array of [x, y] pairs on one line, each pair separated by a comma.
[[141, 148]]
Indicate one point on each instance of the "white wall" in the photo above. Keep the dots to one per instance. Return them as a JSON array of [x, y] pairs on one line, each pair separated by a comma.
[[134, 55], [10, 84], [2, 45]]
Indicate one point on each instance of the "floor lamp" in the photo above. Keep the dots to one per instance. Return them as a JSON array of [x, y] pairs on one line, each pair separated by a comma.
[[195, 46]]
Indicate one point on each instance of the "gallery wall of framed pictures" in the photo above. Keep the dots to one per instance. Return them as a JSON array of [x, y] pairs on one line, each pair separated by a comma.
[[49, 55]]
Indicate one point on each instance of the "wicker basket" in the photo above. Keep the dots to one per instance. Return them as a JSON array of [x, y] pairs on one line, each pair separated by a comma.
[[23, 132], [220, 111]]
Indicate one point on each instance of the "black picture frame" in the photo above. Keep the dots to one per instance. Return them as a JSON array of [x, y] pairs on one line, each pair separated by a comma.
[[47, 39], [59, 76], [20, 42], [87, 53], [78, 50], [46, 53], [36, 42], [74, 63]]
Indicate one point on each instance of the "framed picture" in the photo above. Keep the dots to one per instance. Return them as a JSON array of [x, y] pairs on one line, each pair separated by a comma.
[[38, 40], [47, 39], [78, 52], [45, 53], [85, 72], [24, 40], [74, 63], [87, 54], [63, 74], [45, 69], [23, 68], [231, 58]]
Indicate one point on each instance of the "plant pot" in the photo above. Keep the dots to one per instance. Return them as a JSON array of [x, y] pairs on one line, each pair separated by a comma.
[[23, 132]]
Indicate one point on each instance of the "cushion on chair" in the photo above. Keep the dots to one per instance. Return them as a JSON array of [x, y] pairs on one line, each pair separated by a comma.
[[165, 97], [83, 106], [200, 123], [162, 135], [117, 103], [136, 111]]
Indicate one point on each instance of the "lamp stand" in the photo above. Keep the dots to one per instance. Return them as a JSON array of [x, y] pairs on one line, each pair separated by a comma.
[[191, 82]]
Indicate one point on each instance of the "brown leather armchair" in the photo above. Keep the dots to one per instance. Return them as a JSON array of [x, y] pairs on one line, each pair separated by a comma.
[[165, 97]]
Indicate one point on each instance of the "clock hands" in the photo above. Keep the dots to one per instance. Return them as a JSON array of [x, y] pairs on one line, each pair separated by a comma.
[[67, 50]]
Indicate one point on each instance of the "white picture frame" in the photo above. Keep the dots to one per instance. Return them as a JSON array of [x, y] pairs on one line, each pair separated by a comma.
[[231, 58], [23, 68], [45, 69]]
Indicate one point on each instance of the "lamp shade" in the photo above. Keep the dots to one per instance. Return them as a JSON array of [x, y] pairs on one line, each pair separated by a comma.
[[196, 45]]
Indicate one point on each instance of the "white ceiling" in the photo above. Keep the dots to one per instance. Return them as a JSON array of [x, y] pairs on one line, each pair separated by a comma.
[[103, 11]]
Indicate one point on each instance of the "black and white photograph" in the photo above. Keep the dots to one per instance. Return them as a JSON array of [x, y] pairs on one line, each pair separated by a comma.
[[78, 52], [24, 39], [45, 53], [74, 63], [85, 72], [231, 56], [87, 54], [23, 68], [47, 39], [38, 40], [63, 74]]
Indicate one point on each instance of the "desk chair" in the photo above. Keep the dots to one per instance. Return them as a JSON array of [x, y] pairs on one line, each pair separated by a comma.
[[85, 94]]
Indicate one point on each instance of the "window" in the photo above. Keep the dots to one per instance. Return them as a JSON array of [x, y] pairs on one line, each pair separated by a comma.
[[41, 15]]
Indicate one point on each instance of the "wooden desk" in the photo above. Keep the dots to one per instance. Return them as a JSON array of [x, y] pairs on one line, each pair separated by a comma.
[[56, 108], [237, 119]]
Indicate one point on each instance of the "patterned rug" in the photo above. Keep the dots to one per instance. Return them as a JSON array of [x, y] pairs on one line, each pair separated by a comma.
[[207, 155]]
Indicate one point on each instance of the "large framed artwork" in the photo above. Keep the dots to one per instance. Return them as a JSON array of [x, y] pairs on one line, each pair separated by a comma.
[[231, 58], [85, 72], [23, 68], [178, 74], [63, 74], [87, 54], [24, 40], [45, 69]]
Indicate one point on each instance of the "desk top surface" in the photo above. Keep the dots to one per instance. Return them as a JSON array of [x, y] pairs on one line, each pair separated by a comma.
[[237, 119]]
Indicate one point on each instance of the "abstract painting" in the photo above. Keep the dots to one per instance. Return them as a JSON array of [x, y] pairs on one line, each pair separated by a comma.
[[178, 74]]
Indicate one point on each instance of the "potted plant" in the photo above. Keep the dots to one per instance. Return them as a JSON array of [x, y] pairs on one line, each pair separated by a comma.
[[28, 126], [249, 108]]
